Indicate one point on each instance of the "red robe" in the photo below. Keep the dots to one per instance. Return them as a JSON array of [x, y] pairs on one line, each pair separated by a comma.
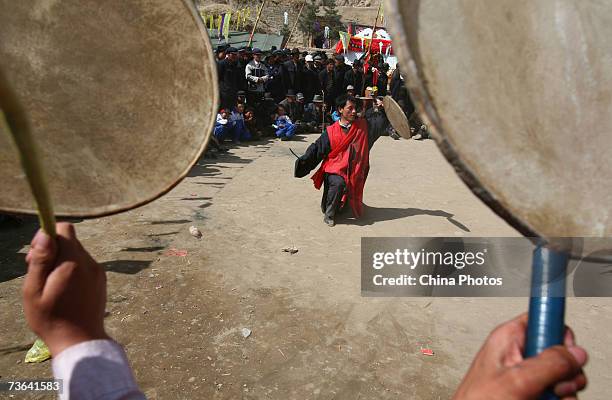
[[349, 158]]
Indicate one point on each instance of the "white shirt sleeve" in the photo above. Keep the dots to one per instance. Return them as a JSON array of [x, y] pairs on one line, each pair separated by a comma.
[[95, 370]]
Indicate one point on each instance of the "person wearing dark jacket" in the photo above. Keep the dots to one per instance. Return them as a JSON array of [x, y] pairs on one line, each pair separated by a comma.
[[383, 80], [310, 78], [292, 72], [274, 85], [396, 80], [327, 79], [340, 70], [244, 56], [354, 77], [229, 78], [399, 92]]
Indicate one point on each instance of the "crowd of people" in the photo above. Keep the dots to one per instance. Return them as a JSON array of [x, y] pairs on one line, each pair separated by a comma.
[[285, 92]]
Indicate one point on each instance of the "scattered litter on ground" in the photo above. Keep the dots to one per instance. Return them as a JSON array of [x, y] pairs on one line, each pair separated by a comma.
[[246, 332], [280, 351], [290, 250], [176, 253], [38, 353], [158, 287], [427, 352], [195, 232]]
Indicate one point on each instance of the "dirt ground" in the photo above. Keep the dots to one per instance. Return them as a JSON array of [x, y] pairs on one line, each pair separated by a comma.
[[313, 335]]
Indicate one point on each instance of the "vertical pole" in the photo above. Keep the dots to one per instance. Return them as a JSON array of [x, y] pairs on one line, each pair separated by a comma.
[[546, 326], [256, 23], [294, 25], [374, 28]]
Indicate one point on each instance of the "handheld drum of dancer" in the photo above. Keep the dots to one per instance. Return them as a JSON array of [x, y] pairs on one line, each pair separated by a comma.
[[108, 103], [517, 96]]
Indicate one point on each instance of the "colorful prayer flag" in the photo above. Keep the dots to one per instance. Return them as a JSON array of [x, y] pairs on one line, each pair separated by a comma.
[[226, 26], [345, 38], [220, 26]]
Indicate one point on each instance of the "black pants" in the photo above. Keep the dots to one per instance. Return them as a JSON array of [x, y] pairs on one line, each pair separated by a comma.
[[334, 187]]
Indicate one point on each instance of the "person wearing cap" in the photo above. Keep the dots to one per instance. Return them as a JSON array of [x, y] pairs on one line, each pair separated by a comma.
[[256, 73], [350, 90], [354, 77], [290, 105], [326, 77], [311, 82], [340, 70], [318, 63], [244, 56], [315, 115], [383, 80], [344, 150], [275, 85], [220, 52], [292, 72], [300, 101], [242, 97], [229, 78]]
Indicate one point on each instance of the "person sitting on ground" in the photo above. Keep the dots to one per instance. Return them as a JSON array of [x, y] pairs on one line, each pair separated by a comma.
[[314, 114], [242, 97], [285, 129], [290, 105], [251, 123], [64, 301], [223, 128], [268, 113], [240, 131], [299, 102]]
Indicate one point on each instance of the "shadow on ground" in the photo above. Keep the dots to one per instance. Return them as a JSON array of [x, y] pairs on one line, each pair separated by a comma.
[[16, 232], [372, 215], [126, 266]]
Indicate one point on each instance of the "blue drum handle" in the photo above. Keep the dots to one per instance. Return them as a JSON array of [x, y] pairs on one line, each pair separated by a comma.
[[546, 326]]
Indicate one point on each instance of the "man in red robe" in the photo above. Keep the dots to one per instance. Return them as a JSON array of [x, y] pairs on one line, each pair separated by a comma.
[[344, 149]]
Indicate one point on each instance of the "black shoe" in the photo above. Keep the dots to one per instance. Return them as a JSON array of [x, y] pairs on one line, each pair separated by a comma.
[[394, 136], [329, 221]]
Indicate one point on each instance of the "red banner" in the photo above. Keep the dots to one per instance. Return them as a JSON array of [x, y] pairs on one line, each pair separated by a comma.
[[356, 45]]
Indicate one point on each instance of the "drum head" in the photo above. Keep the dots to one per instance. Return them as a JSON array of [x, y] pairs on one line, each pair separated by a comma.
[[396, 116], [518, 97], [121, 97]]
